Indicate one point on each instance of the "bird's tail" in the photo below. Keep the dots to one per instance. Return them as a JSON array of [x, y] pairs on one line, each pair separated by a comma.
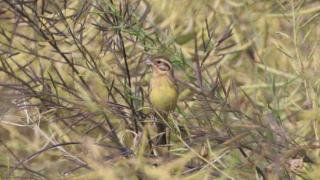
[[161, 128], [162, 135]]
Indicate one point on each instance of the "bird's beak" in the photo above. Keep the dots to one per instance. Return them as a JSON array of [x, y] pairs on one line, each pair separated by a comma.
[[149, 62]]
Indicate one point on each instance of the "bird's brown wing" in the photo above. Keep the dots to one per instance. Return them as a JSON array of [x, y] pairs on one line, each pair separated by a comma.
[[174, 81]]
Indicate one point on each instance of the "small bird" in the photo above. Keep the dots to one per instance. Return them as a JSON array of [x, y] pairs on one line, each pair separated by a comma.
[[163, 93]]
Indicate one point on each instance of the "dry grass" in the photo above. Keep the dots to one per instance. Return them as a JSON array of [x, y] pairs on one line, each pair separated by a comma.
[[74, 89]]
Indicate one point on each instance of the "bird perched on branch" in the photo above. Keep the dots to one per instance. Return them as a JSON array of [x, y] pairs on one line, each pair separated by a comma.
[[163, 93]]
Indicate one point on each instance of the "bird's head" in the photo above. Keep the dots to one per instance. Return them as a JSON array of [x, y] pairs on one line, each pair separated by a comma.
[[160, 66]]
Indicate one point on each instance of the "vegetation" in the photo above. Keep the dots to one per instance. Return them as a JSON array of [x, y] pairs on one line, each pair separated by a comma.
[[74, 89]]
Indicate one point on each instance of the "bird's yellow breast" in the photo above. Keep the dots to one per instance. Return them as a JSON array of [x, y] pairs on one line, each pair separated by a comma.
[[163, 94]]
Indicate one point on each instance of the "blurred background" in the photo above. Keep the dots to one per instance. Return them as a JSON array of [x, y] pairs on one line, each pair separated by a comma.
[[74, 89]]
